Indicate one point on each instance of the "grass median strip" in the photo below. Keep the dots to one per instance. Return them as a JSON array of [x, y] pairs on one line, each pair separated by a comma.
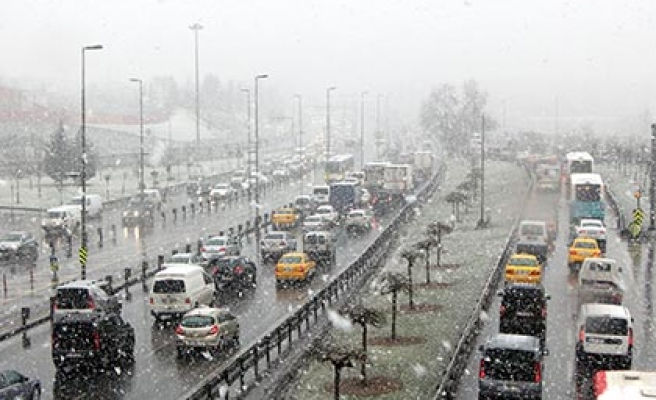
[[408, 366]]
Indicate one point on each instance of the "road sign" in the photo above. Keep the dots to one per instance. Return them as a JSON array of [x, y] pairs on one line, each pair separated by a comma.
[[82, 253], [638, 216]]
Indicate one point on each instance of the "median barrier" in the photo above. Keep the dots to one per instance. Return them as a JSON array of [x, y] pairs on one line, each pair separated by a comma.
[[245, 367]]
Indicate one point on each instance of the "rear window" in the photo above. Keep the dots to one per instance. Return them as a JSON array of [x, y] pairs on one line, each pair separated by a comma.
[[509, 365], [585, 245], [521, 261], [72, 298], [532, 230], [78, 335], [607, 326], [167, 286], [216, 242], [291, 260], [321, 191], [197, 321], [315, 239], [274, 236]]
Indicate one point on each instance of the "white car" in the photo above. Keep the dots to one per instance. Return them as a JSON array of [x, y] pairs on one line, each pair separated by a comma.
[[328, 213], [365, 198], [182, 259], [605, 336], [207, 328], [222, 191], [594, 229], [217, 246], [315, 223], [359, 219]]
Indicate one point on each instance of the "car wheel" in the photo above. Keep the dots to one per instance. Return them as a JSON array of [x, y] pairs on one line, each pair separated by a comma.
[[180, 351]]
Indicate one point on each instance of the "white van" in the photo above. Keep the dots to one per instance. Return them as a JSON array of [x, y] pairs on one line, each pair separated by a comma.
[[94, 204], [321, 194], [62, 219], [179, 289]]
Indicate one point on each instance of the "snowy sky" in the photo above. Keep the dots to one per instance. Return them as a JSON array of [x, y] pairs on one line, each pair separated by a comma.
[[581, 60]]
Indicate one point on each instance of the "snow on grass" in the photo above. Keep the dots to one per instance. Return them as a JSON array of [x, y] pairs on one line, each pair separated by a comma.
[[420, 366]]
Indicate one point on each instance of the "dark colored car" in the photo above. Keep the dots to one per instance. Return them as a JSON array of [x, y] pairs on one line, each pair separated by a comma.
[[14, 385], [381, 202], [232, 272], [81, 340], [511, 367], [523, 310], [139, 212], [19, 246]]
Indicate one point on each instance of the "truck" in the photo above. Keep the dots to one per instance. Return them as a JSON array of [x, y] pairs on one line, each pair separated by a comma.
[[422, 165], [345, 195], [398, 179], [547, 176], [600, 280]]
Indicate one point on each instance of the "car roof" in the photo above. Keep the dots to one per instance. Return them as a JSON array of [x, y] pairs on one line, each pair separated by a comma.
[[591, 309], [600, 260], [591, 220], [513, 342], [82, 284], [224, 237], [179, 270], [206, 311]]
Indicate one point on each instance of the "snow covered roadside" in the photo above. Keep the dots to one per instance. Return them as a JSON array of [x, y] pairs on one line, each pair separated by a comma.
[[472, 253]]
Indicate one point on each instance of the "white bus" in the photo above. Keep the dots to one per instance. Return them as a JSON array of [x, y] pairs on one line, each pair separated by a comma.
[[338, 166], [624, 385], [579, 162], [398, 179]]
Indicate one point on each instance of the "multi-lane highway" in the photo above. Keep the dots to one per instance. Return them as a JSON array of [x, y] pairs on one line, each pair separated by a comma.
[[559, 372], [157, 372]]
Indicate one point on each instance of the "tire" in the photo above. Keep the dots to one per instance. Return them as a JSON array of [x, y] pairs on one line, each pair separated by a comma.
[[179, 351], [37, 393]]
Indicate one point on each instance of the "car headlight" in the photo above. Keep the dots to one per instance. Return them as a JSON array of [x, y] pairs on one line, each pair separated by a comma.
[[135, 213], [125, 213]]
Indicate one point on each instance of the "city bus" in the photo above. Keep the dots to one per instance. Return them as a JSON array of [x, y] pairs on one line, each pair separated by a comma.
[[338, 166], [578, 162], [374, 175], [625, 385], [586, 197]]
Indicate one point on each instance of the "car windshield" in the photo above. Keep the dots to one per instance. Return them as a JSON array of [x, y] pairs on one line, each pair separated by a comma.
[[169, 286], [11, 237], [606, 326], [509, 365], [197, 321], [532, 230], [291, 260]]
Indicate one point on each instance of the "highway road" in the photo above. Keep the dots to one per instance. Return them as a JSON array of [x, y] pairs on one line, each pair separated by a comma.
[[559, 371], [157, 372]]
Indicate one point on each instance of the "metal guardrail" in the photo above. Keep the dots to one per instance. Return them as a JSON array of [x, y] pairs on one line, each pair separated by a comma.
[[448, 385], [251, 364]]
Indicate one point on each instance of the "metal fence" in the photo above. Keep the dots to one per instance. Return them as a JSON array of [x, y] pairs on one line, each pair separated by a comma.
[[250, 365]]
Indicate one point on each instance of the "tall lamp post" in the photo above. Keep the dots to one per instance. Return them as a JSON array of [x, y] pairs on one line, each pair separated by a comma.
[[379, 133], [250, 144], [482, 221], [300, 135], [257, 163], [330, 89], [362, 96], [142, 184], [83, 171], [197, 27]]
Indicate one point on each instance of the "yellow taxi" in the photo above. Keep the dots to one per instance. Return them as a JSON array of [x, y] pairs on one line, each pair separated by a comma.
[[523, 268], [285, 217], [580, 249], [294, 267]]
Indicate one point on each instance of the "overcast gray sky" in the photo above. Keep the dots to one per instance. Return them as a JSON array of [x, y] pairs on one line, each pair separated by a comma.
[[595, 58]]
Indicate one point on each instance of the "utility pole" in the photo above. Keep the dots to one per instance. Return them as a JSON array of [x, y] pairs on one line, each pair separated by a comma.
[[249, 145], [652, 182], [257, 165], [300, 136], [330, 89], [362, 96], [481, 222], [197, 27]]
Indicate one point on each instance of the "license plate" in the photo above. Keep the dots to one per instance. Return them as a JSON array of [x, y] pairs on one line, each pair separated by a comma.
[[289, 269], [524, 314], [521, 272], [594, 340]]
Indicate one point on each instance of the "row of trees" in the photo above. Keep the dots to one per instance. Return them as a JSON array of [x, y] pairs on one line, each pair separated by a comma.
[[453, 113]]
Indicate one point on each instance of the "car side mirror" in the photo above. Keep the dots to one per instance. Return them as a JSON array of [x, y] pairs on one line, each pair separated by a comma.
[[545, 352], [481, 348], [547, 297]]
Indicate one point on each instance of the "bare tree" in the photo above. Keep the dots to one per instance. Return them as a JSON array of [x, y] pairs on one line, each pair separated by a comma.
[[425, 247], [456, 199], [437, 229], [364, 316], [410, 255], [393, 283], [340, 357]]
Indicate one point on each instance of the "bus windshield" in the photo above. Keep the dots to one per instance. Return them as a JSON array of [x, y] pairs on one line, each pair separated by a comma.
[[588, 192], [580, 167]]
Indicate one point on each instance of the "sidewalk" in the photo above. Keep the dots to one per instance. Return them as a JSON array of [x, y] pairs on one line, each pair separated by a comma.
[[415, 363], [623, 184]]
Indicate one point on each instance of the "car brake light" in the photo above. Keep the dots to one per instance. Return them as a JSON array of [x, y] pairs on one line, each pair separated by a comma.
[[152, 301], [502, 309], [581, 335], [631, 337], [179, 330], [187, 300], [596, 253], [510, 271], [213, 330], [283, 243], [90, 303], [481, 369], [238, 270], [202, 250], [535, 273], [602, 231], [600, 383], [544, 312], [301, 269], [572, 252], [582, 232], [96, 340], [222, 249], [537, 369]]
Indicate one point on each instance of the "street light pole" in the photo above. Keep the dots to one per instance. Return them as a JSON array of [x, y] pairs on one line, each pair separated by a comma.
[[197, 27], [250, 144], [83, 171], [362, 96], [142, 184], [300, 136], [482, 220], [652, 182], [257, 164], [379, 135], [330, 89]]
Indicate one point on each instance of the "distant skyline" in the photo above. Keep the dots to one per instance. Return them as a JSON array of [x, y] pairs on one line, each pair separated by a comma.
[[553, 63]]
